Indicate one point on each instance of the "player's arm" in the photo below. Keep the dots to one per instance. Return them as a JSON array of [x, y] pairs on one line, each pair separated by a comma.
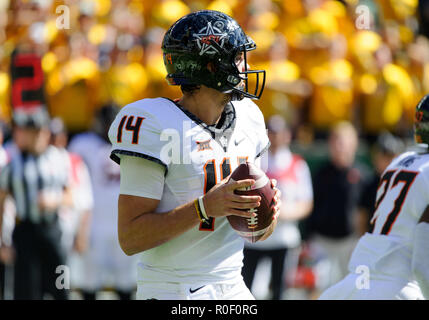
[[141, 228], [420, 259]]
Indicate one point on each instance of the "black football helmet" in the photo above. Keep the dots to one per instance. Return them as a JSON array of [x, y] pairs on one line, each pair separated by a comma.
[[421, 121], [213, 38]]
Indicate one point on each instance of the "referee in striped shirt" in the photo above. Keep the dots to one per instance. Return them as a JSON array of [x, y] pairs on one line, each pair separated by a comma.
[[36, 178]]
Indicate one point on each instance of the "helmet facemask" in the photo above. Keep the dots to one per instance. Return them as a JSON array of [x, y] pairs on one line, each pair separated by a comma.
[[235, 81]]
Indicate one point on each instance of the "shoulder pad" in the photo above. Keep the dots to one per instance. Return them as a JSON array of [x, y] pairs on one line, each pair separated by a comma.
[[136, 130]]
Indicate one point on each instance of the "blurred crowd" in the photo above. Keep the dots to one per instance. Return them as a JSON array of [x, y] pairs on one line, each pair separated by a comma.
[[362, 61], [336, 71]]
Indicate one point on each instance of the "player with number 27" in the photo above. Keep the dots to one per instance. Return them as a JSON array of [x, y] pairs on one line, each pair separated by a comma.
[[396, 250]]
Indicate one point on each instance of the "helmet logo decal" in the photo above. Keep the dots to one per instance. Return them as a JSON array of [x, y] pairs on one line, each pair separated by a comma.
[[206, 35]]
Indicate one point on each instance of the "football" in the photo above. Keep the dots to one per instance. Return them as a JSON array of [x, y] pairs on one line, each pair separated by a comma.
[[252, 229]]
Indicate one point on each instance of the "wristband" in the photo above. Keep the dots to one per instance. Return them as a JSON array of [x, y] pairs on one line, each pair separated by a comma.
[[203, 210], [197, 208]]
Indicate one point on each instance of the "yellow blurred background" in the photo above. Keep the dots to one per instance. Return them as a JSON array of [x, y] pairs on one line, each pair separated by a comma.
[[322, 67]]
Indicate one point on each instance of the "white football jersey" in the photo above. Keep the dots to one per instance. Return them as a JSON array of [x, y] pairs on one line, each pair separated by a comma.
[[402, 197], [195, 158]]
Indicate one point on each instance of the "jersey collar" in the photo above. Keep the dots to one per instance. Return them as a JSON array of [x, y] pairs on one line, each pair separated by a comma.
[[227, 120]]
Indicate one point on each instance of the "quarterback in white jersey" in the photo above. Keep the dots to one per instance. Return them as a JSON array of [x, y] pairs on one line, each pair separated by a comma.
[[170, 157], [391, 261]]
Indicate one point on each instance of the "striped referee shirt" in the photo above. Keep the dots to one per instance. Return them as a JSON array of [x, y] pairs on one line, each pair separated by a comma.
[[27, 176]]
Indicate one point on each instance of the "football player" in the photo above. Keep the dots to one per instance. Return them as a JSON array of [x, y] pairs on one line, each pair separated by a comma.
[[175, 157], [392, 261]]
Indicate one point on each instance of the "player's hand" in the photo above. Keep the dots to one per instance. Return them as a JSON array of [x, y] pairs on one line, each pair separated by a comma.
[[222, 201], [270, 230], [276, 210]]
